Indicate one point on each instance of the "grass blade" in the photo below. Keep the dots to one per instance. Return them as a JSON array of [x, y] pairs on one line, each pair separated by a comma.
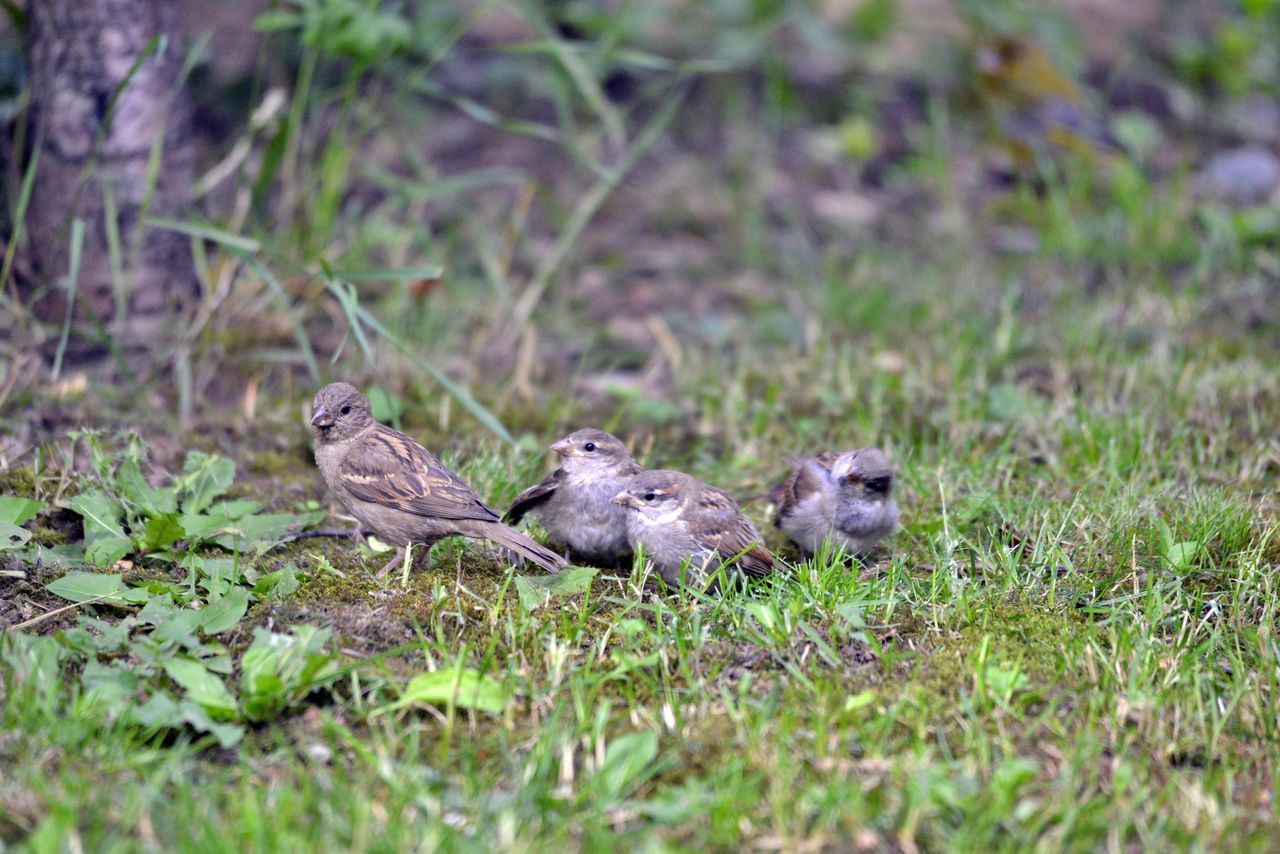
[[73, 280], [20, 214], [589, 204], [299, 331], [358, 316], [206, 232]]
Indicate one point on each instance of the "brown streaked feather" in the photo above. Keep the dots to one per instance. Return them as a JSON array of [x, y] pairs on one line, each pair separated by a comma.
[[533, 496], [631, 468], [391, 469], [717, 522], [800, 483]]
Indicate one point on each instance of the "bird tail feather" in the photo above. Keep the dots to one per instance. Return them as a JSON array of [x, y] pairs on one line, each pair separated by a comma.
[[525, 547]]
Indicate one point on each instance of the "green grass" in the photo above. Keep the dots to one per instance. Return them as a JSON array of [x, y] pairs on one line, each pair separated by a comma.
[[1069, 645], [1026, 665]]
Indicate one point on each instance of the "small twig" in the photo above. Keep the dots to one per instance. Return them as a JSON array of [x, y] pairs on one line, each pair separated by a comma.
[[56, 611], [327, 532]]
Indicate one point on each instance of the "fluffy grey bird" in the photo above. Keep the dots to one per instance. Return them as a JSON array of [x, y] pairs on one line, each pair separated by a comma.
[[398, 488], [843, 496], [573, 503], [676, 518]]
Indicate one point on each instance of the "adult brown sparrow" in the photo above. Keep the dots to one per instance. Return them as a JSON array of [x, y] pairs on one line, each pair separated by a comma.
[[687, 527], [842, 496], [396, 487], [573, 503]]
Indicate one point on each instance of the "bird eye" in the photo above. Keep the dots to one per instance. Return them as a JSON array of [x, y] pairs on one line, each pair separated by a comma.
[[345, 410], [649, 496], [589, 447]]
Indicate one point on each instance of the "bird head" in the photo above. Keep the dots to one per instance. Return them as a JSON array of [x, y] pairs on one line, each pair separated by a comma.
[[591, 449], [339, 411], [655, 493], [866, 471]]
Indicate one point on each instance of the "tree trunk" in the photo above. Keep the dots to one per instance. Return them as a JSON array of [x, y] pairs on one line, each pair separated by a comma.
[[81, 53]]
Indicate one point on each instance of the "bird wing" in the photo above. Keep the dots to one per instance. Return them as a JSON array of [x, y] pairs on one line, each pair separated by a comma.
[[533, 496], [717, 522], [391, 469], [806, 478]]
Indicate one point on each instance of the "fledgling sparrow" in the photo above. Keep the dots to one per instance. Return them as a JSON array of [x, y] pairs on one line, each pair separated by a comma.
[[844, 496], [398, 488], [573, 503], [678, 519]]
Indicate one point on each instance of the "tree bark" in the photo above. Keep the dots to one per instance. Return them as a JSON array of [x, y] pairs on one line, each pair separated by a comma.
[[95, 147]]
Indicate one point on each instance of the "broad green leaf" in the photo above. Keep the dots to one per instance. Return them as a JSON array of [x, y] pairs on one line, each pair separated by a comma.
[[387, 407], [221, 614], [83, 586], [18, 511], [857, 701], [12, 537], [265, 528], [228, 735], [200, 526], [106, 551], [92, 637], [279, 584], [111, 687], [34, 660], [626, 760], [237, 509], [1182, 555], [1179, 555], [214, 574], [162, 531], [220, 663], [678, 804], [151, 501], [460, 686], [159, 712], [277, 670], [179, 629], [535, 591], [202, 687], [378, 545], [101, 514], [58, 557], [206, 477], [105, 540], [157, 610]]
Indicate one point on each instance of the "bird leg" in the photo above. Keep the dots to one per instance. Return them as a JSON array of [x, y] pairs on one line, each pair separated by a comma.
[[394, 562]]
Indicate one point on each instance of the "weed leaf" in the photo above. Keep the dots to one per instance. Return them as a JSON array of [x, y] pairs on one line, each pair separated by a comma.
[[462, 687], [82, 586], [221, 614], [205, 478], [18, 511], [536, 591], [12, 537], [625, 762], [202, 687]]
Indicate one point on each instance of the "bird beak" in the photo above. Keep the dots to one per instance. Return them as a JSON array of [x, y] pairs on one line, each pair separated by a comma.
[[851, 476], [625, 499], [564, 447], [321, 417]]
